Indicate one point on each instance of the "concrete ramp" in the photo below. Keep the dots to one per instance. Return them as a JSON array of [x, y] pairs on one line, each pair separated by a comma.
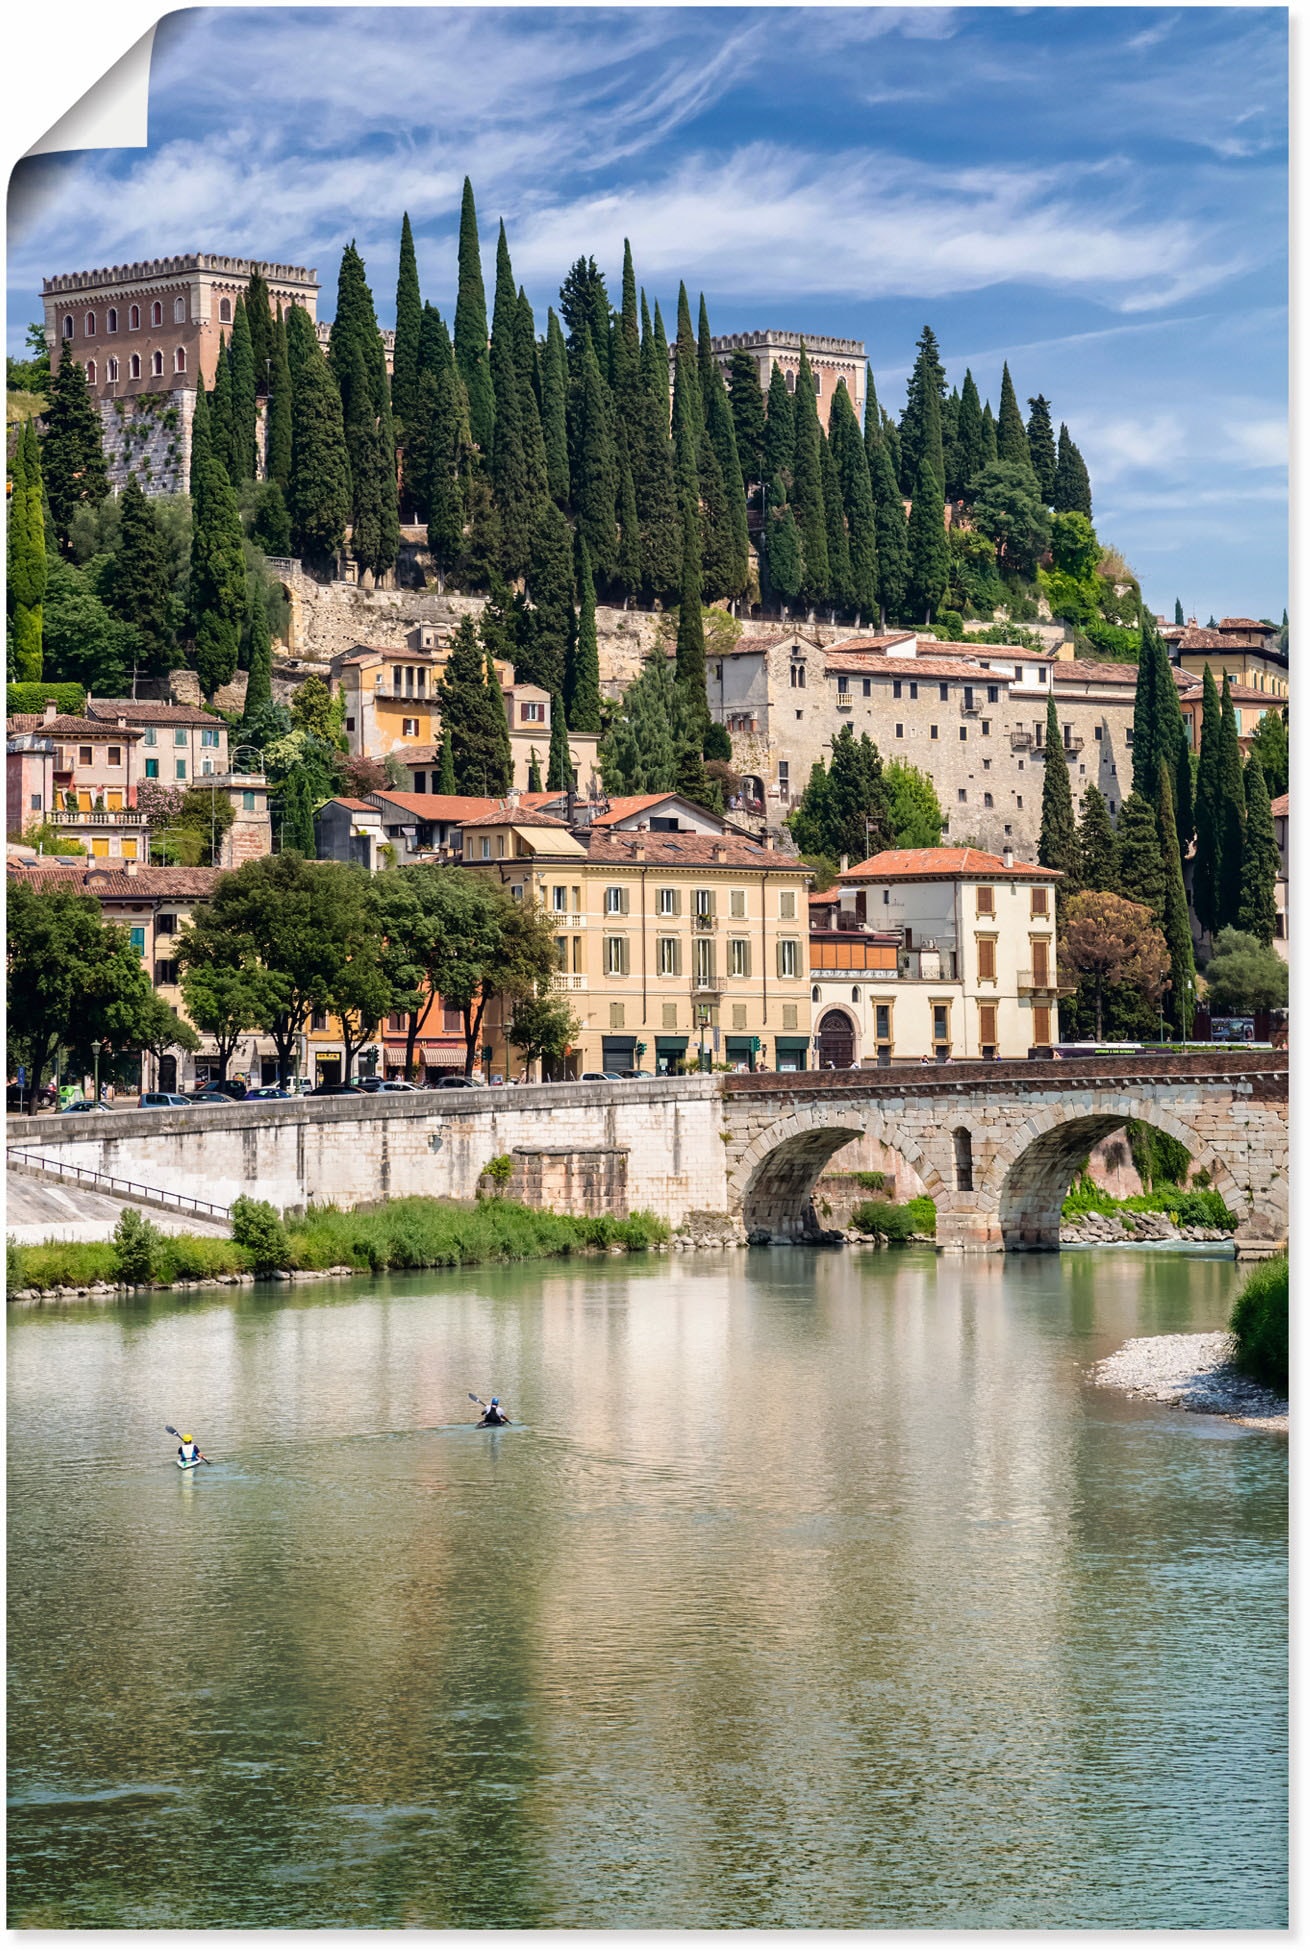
[[39, 1209]]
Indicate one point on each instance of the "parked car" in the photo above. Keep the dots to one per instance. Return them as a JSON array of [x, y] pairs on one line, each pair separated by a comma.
[[458, 1082], [161, 1100], [629, 1074], [265, 1091], [209, 1096], [375, 1084], [227, 1087], [602, 1077], [85, 1104], [337, 1090]]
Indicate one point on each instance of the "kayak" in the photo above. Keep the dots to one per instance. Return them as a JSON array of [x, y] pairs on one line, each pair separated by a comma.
[[504, 1423], [193, 1465]]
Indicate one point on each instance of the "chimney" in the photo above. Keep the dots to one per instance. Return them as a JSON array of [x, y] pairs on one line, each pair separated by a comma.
[[129, 867], [844, 863], [638, 850], [1007, 856], [768, 843], [720, 853], [51, 712]]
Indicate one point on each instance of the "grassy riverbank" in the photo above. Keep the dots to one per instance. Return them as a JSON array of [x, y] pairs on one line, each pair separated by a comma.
[[1186, 1206], [882, 1220], [404, 1234], [1259, 1325]]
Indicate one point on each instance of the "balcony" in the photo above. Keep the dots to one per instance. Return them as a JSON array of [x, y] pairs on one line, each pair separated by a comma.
[[971, 710], [126, 816], [704, 924], [923, 964], [1073, 745], [560, 920], [1020, 741], [562, 981], [1041, 983], [706, 989]]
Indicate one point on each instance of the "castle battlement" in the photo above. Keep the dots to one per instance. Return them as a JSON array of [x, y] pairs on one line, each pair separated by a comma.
[[149, 269], [812, 341]]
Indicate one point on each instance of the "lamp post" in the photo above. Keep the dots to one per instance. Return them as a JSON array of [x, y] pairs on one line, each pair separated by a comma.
[[96, 1047]]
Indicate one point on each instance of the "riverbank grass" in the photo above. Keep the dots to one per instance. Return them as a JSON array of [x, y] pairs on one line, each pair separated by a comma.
[[1185, 1205], [1258, 1325], [882, 1220]]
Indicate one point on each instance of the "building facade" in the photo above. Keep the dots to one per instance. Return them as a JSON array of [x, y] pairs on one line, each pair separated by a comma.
[[85, 770], [834, 362], [1241, 648]]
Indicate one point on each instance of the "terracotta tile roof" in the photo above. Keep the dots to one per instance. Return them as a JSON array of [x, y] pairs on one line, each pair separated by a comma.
[[1193, 640], [974, 648], [688, 850], [367, 652], [1087, 670], [929, 863], [519, 815], [62, 726], [353, 805], [433, 806], [869, 663], [623, 807], [1278, 807], [179, 883], [752, 642], [146, 711], [872, 644], [1243, 623]]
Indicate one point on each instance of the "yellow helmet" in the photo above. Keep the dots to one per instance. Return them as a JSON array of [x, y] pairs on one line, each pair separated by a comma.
[[188, 1438]]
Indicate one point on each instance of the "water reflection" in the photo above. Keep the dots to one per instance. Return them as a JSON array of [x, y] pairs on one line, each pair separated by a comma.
[[818, 1590]]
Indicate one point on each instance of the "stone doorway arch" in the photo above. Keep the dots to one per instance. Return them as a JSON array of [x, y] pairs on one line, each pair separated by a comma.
[[837, 1040]]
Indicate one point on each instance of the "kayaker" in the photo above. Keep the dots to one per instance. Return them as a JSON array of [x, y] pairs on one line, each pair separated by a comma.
[[493, 1412], [188, 1450]]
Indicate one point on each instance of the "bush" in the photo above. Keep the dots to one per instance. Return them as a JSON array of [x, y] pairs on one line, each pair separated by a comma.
[[67, 1263], [1259, 1325], [922, 1214], [14, 1275], [418, 1232], [500, 1170], [192, 1256], [1158, 1158], [259, 1229], [35, 696], [882, 1220], [136, 1242]]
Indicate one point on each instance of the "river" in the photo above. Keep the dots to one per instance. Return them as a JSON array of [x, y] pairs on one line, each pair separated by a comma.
[[819, 1588]]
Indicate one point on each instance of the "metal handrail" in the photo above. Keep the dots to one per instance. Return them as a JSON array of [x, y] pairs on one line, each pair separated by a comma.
[[130, 1187]]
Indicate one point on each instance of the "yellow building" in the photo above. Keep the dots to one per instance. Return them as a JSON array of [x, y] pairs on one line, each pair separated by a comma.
[[675, 949], [1241, 649]]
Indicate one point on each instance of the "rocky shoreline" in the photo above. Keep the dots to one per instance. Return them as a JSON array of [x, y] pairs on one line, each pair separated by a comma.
[[1135, 1229], [1195, 1372]]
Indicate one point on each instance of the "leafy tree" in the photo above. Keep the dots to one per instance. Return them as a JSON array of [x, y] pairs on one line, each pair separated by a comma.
[[1269, 745], [1074, 547], [31, 375], [360, 992], [1041, 445], [1112, 944], [928, 554], [1177, 924], [138, 587], [409, 327], [1257, 912], [1007, 507], [1098, 860], [503, 948], [807, 486], [319, 495], [779, 428], [852, 466], [216, 592], [1244, 975], [921, 422], [82, 641], [846, 810], [747, 400], [1072, 492], [241, 367], [916, 815], [639, 749], [224, 999], [417, 912], [473, 712], [1230, 812], [72, 453], [27, 568], [1058, 843], [582, 669], [161, 1029], [1011, 434], [541, 1029], [892, 533], [1141, 866], [471, 343], [72, 978], [1205, 865]]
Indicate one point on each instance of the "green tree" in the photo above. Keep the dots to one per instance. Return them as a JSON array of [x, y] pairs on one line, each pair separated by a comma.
[[928, 553], [807, 486], [542, 1029], [848, 810], [471, 340], [81, 641], [72, 978], [594, 461], [781, 549], [259, 318], [1098, 861], [302, 339], [138, 586], [585, 307], [967, 456], [1205, 864], [534, 772], [360, 992], [1177, 926], [225, 999], [554, 414], [490, 946], [989, 435], [1072, 492], [529, 395], [839, 550], [1230, 812], [747, 400], [409, 327], [852, 464], [921, 422], [559, 760], [892, 533], [27, 569], [582, 670], [1179, 618], [448, 440], [916, 815], [627, 576], [1269, 745], [1057, 845], [721, 435], [1041, 445], [319, 495], [1011, 434], [640, 747], [358, 365], [779, 428], [241, 365], [473, 711], [1112, 945], [651, 452], [1244, 975], [545, 656], [690, 656], [509, 464], [217, 588], [1141, 866], [271, 528], [72, 453], [1257, 912], [447, 781], [1008, 509], [259, 686], [31, 375], [220, 410]]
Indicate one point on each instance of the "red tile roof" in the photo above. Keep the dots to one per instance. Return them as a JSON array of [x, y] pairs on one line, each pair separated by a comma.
[[520, 815], [689, 850], [433, 806], [62, 726], [1278, 807], [179, 883], [976, 649], [146, 711], [623, 807], [354, 805], [1243, 623], [869, 663], [936, 863], [1087, 670], [872, 644]]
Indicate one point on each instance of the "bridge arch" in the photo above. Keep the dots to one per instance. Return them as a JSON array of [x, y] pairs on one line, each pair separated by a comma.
[[775, 1177]]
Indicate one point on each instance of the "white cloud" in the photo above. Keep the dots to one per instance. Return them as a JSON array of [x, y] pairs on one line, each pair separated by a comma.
[[1257, 443], [1152, 444]]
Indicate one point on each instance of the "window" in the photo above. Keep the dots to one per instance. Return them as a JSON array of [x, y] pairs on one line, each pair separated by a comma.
[[84, 755], [179, 311], [668, 901], [993, 694], [941, 1028], [1042, 1024], [179, 360], [737, 903], [932, 731], [705, 963], [134, 366], [157, 364], [789, 959], [798, 677], [784, 779], [900, 731], [791, 382], [968, 697], [962, 796], [559, 900], [616, 1016], [179, 769], [787, 905], [156, 313], [247, 802], [868, 687], [34, 802], [1038, 901], [944, 692], [987, 765], [138, 939], [964, 733], [90, 372], [1018, 800], [1009, 830], [134, 318], [418, 777], [152, 768], [111, 320], [409, 728], [896, 687], [962, 1142], [225, 311], [987, 799], [739, 957], [111, 369], [986, 900], [1100, 732], [89, 326], [616, 900], [209, 738], [986, 727], [68, 326], [114, 755], [843, 686], [562, 952], [1128, 736], [818, 382], [703, 902], [616, 955], [882, 1021], [533, 714], [986, 958], [914, 690], [668, 955], [165, 974]]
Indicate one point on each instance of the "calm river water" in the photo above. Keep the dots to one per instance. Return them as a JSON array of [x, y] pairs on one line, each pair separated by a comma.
[[819, 1589]]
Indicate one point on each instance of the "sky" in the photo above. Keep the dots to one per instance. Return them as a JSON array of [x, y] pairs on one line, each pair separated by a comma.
[[1097, 195]]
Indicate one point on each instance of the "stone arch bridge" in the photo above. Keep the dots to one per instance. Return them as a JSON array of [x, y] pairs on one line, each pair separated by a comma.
[[995, 1144]]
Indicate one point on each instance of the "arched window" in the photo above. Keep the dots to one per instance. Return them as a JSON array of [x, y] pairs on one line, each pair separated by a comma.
[[90, 372], [815, 994], [134, 318], [90, 325], [134, 366], [179, 360], [818, 382], [112, 372], [179, 311], [157, 364], [225, 311], [855, 995], [963, 1159], [111, 319], [68, 325], [156, 313], [791, 382]]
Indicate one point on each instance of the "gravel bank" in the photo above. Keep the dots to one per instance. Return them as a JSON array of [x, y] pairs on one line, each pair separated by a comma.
[[1194, 1371]]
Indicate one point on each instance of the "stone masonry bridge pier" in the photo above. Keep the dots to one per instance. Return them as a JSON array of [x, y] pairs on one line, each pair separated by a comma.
[[994, 1144]]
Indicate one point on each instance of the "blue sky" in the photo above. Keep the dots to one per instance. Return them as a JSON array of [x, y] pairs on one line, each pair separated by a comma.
[[1097, 195]]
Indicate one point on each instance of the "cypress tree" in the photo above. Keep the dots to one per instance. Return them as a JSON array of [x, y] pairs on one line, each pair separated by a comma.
[[928, 552], [271, 529], [446, 780], [921, 422], [594, 469], [534, 772], [1011, 434], [1098, 869], [296, 815], [893, 533], [964, 456], [529, 385], [1205, 865], [1175, 922], [807, 486], [220, 410], [72, 453], [217, 589], [747, 401], [1231, 814], [660, 362], [1258, 911], [779, 428], [259, 660], [651, 453], [471, 354], [302, 339], [241, 364], [448, 430], [687, 427], [139, 587], [1041, 445], [1057, 845], [1141, 865], [950, 432], [277, 458], [473, 716], [722, 568], [582, 671], [409, 330], [509, 471], [554, 394], [839, 552], [1072, 493], [584, 303], [559, 762], [687, 349], [550, 588], [848, 451], [780, 549], [319, 497], [1179, 618], [358, 365], [626, 346], [1148, 735], [1175, 752], [27, 569], [722, 437], [259, 319], [989, 434], [627, 565], [690, 659], [202, 445]]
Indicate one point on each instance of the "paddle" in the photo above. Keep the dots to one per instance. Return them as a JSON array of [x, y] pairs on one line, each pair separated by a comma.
[[178, 1434], [486, 1405]]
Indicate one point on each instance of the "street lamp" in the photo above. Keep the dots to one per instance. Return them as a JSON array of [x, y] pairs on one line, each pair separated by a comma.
[[96, 1047]]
